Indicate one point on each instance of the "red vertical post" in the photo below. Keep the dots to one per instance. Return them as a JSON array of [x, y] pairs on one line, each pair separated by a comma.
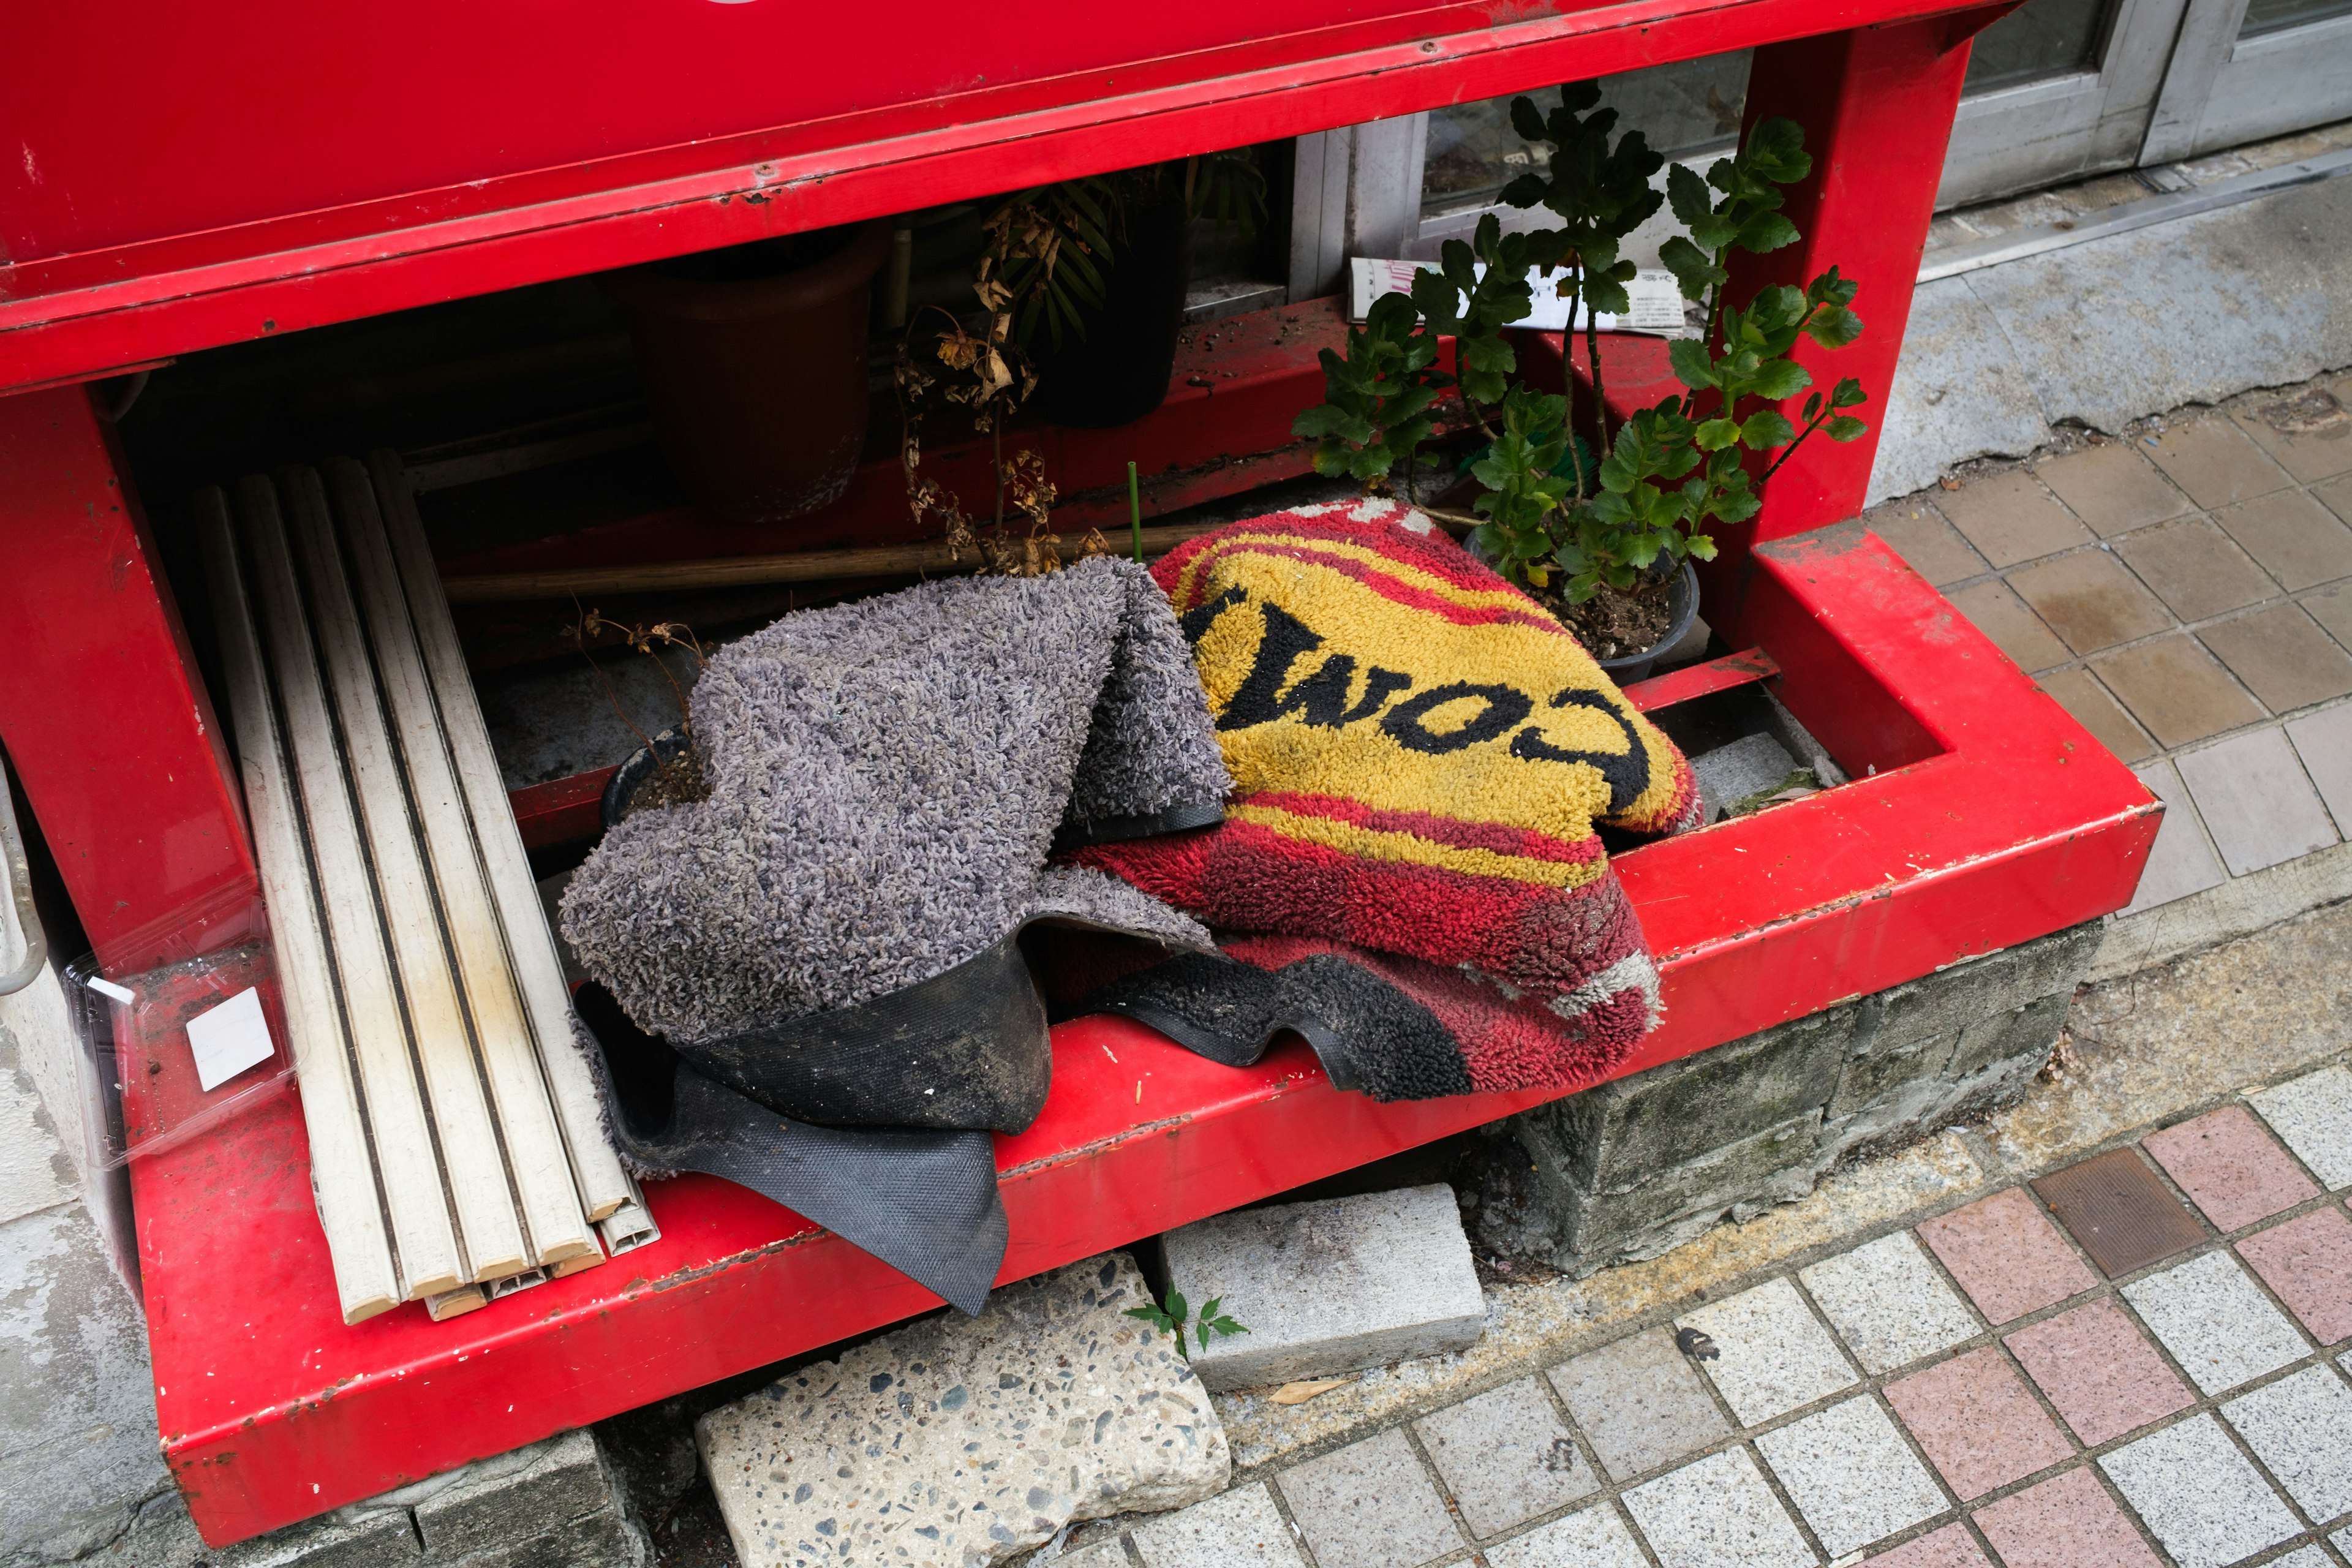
[[1877, 105], [101, 706]]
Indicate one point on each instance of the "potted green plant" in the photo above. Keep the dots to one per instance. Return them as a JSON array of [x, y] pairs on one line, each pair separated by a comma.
[[1601, 534]]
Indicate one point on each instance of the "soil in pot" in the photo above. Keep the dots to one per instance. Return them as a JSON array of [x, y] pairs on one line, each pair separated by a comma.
[[1118, 371], [753, 360], [1611, 625]]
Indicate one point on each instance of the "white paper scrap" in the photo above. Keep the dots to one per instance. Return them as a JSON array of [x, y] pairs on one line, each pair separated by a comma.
[[229, 1038], [108, 988], [1656, 298]]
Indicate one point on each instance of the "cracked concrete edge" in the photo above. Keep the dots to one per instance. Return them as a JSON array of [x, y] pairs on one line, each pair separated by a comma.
[[2143, 1060], [2237, 908]]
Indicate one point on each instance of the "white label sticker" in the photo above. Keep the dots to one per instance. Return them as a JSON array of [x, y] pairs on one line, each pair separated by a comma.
[[229, 1038], [1656, 298]]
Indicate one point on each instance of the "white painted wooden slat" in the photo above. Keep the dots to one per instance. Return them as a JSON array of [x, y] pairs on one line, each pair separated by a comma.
[[424, 1237], [554, 1225], [468, 1141], [343, 1174], [604, 1185]]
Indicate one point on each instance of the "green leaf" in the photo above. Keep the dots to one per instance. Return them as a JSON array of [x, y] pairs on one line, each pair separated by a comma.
[[1766, 231], [1693, 270], [1526, 120], [1845, 428], [1833, 327], [1767, 428], [1700, 545], [1848, 393], [1691, 364], [1776, 152], [1778, 378], [1323, 419], [1715, 435], [1688, 193]]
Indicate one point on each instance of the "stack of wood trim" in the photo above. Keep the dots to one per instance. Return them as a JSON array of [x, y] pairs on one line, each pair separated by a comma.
[[456, 1148]]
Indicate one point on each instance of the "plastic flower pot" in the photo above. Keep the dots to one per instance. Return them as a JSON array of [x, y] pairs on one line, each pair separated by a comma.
[[754, 366], [1118, 371]]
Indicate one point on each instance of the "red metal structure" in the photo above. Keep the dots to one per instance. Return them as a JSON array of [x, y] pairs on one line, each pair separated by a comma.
[[290, 167]]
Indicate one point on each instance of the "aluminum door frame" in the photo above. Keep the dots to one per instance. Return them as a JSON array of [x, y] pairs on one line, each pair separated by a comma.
[[2221, 91]]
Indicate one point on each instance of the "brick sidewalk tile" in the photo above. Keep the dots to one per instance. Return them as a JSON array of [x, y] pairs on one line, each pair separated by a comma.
[[2006, 1255], [2112, 488], [2177, 690], [2343, 1539], [2216, 1323], [1718, 1513], [1639, 1404], [2204, 1503], [1950, 1547], [1239, 1529], [1507, 1456], [2332, 608], [2314, 1115], [2117, 1210], [1888, 1303], [2009, 518], [2195, 568], [2324, 742], [1928, 545], [2257, 801], [1595, 1538], [2095, 708], [2215, 462], [2284, 657], [2298, 541], [2308, 1263], [1775, 1354], [2090, 600], [1370, 1505], [2300, 1427], [2067, 1521], [2001, 614], [1851, 1475], [2230, 1167], [2181, 862], [1977, 1421], [2105, 1378], [2307, 453]]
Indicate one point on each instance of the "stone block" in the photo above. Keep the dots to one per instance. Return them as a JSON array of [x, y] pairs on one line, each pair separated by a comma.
[[1331, 1285], [1730, 773], [365, 1535], [2027, 1031], [1687, 1109], [1946, 1002], [1646, 1213], [488, 1514], [956, 1442]]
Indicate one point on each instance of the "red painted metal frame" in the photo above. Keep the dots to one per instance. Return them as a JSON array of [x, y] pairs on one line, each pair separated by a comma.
[[289, 167], [1992, 818]]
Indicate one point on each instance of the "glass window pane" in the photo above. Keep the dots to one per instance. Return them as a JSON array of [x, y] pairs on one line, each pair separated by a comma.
[[2271, 15], [2040, 38], [1683, 108]]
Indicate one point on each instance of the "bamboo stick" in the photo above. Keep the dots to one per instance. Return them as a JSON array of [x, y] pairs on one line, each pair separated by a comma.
[[551, 1212], [424, 1237], [342, 1176], [530, 944], [484, 1206], [931, 557]]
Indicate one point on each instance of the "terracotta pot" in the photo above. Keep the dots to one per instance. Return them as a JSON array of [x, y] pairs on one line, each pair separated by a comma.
[[753, 360], [1119, 371]]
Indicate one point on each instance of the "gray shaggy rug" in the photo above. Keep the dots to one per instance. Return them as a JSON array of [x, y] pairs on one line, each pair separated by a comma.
[[828, 935]]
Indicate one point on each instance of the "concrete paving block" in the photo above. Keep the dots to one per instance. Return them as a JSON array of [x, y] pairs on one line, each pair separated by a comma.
[[2313, 1114], [362, 1536], [2257, 799], [1958, 394], [1730, 773], [1774, 1356], [1507, 1456], [1639, 1403], [2301, 1428], [2216, 1321], [1333, 1286], [2181, 862], [2197, 1492], [494, 1507], [1239, 1529], [1851, 1475], [2324, 742], [1888, 1302], [1370, 1505], [1718, 1513], [956, 1442]]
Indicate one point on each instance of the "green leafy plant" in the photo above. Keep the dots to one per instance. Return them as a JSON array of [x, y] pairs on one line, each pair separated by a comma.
[[1169, 1318], [1549, 516]]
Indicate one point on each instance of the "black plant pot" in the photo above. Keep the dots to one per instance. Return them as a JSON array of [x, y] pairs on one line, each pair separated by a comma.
[[1119, 371]]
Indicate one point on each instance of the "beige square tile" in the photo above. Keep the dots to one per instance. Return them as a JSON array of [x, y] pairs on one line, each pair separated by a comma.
[[2001, 615], [2216, 463], [2176, 689], [1928, 545], [2195, 568], [2283, 657], [2112, 487], [2332, 608], [2309, 434], [2090, 600], [2094, 708], [2295, 537], [2011, 517]]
